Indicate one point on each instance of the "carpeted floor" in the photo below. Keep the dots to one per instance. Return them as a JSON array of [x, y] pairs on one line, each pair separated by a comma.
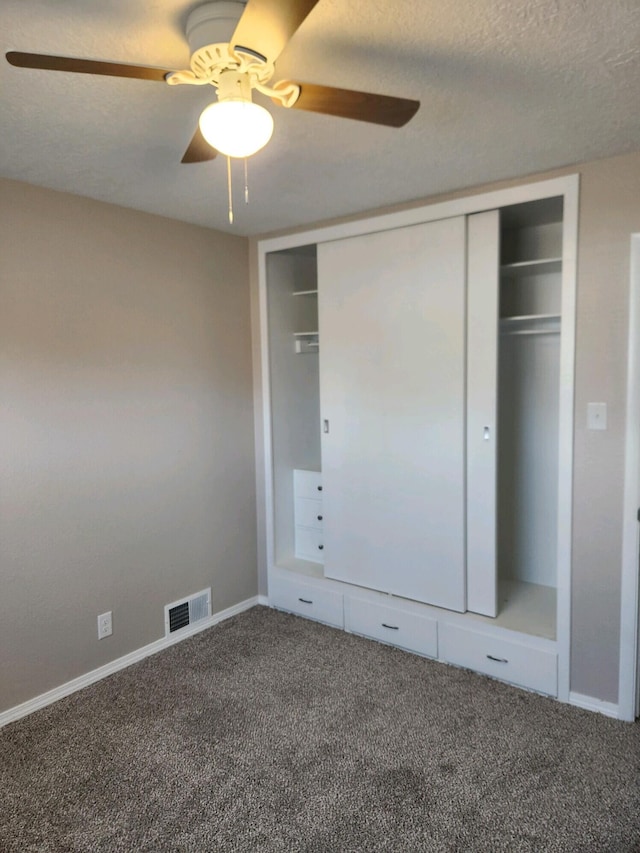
[[272, 733]]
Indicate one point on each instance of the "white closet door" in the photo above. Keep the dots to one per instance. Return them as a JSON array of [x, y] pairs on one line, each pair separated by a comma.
[[391, 321], [483, 291]]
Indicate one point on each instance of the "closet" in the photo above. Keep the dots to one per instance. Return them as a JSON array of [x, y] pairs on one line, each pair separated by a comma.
[[418, 376]]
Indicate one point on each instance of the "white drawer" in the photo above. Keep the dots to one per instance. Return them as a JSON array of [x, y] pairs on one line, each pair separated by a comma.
[[308, 512], [325, 605], [393, 625], [307, 484], [510, 661], [309, 545]]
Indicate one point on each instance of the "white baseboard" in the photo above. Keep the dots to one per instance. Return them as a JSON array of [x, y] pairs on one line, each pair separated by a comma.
[[51, 696], [609, 709], [264, 600]]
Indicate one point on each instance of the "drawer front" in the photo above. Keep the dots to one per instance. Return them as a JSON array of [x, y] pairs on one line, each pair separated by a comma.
[[392, 625], [309, 513], [307, 484], [510, 661], [325, 605], [309, 545]]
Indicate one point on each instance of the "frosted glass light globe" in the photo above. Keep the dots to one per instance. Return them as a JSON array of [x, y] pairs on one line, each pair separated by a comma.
[[236, 128]]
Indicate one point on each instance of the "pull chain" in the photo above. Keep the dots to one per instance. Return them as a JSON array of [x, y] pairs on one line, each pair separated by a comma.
[[229, 190]]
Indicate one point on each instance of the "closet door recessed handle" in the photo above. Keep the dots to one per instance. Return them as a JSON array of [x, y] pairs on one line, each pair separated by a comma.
[[485, 433], [498, 660], [390, 627]]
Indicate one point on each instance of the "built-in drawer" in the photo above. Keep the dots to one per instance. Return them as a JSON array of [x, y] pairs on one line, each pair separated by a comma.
[[308, 512], [392, 624], [309, 544], [307, 484], [511, 661], [325, 605]]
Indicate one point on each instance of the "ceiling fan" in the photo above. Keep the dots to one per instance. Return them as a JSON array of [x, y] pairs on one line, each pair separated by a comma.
[[234, 48]]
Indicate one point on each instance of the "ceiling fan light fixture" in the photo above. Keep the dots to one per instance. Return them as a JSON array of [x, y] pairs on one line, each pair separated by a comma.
[[236, 128]]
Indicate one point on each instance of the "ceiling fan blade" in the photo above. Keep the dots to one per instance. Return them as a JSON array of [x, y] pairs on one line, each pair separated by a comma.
[[85, 66], [267, 25], [199, 150], [363, 106]]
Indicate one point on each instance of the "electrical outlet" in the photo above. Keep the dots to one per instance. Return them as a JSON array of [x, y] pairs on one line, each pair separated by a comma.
[[105, 625]]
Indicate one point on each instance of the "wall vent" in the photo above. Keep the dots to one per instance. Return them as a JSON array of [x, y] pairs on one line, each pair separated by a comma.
[[182, 614]]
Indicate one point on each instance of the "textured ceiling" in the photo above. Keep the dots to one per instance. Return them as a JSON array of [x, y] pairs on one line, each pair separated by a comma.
[[508, 87]]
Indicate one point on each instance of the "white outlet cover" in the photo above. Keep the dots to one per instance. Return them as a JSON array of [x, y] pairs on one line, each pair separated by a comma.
[[105, 625]]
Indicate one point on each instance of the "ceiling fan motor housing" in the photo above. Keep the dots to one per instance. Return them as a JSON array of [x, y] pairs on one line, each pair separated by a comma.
[[209, 30], [213, 23]]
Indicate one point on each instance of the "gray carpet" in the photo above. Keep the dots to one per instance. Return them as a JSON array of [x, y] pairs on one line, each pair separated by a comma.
[[272, 733]]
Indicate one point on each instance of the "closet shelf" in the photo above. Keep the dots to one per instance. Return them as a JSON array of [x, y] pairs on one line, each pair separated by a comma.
[[531, 324], [527, 607], [304, 292], [534, 266], [305, 334]]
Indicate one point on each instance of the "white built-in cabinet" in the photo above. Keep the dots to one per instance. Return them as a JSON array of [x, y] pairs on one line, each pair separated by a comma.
[[308, 515], [418, 388]]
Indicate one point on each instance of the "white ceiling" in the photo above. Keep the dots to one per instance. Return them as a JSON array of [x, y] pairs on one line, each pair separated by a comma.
[[508, 88]]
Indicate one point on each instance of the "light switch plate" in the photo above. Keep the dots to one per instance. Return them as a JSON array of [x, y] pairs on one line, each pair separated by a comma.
[[596, 415]]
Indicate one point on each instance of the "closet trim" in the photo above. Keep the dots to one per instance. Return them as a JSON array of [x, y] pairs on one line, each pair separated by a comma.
[[566, 432], [416, 215], [629, 659]]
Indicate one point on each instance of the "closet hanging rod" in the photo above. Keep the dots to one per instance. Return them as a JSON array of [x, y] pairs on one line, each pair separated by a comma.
[[531, 332]]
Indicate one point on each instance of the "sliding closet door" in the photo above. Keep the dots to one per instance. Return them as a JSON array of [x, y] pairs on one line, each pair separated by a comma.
[[391, 322]]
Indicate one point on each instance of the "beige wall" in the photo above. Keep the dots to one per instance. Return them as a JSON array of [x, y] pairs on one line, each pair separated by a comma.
[[609, 214], [127, 473]]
